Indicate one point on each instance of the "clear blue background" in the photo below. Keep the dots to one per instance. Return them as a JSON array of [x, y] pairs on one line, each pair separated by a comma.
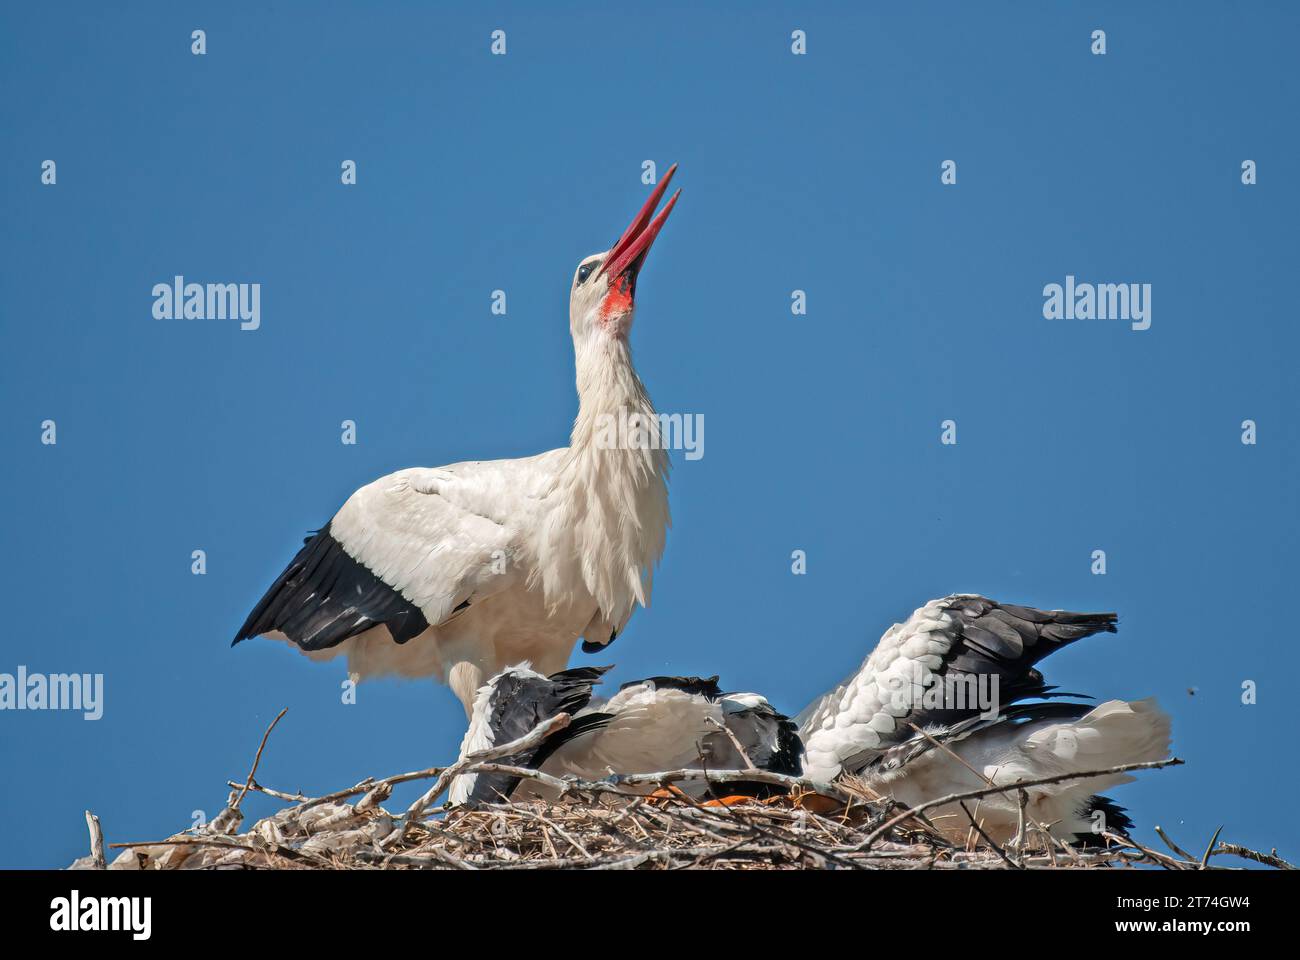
[[478, 172]]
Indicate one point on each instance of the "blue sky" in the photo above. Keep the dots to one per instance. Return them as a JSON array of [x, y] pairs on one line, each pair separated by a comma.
[[475, 173]]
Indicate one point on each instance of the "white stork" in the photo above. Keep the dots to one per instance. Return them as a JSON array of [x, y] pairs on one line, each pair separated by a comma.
[[948, 702], [459, 571], [650, 725], [939, 707]]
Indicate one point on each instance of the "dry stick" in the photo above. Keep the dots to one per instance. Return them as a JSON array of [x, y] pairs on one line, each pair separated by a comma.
[[720, 852], [436, 857], [735, 742], [989, 840], [1271, 859], [952, 753], [365, 786], [829, 828], [96, 841], [890, 805], [611, 862], [564, 785], [187, 842], [731, 816], [257, 759], [526, 742], [1205, 860], [1169, 863], [436, 832], [888, 825], [665, 777], [1173, 846], [229, 842], [286, 853], [550, 844], [614, 783], [278, 794], [631, 863], [558, 829], [689, 816]]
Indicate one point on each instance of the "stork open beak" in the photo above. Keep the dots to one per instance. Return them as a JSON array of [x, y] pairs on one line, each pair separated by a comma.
[[628, 254]]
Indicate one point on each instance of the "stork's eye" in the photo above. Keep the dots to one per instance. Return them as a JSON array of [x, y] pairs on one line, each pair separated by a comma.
[[584, 271]]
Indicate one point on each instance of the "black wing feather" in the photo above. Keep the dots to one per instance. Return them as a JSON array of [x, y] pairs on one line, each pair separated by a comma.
[[518, 703], [706, 687], [1005, 641], [324, 596]]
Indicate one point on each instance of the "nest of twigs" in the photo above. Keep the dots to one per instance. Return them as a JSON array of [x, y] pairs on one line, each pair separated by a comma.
[[621, 823]]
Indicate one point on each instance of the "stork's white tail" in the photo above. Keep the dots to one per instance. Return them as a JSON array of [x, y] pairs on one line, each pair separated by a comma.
[[1112, 734]]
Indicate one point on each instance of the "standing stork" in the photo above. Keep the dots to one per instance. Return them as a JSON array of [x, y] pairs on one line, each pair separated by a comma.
[[459, 571]]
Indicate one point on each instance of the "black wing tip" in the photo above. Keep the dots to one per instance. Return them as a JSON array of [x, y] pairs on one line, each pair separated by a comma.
[[580, 726], [247, 631], [583, 724], [325, 596], [581, 674], [1114, 817], [1105, 620], [789, 754], [1099, 622], [702, 686]]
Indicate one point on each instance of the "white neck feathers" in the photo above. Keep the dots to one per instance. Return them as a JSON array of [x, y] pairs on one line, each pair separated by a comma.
[[610, 500]]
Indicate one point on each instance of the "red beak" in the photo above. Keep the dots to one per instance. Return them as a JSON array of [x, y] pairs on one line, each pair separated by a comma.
[[630, 250]]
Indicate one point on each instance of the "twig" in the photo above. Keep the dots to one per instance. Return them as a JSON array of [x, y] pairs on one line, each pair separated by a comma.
[[278, 794], [568, 838], [257, 759], [526, 742], [980, 774], [1236, 850], [1205, 860], [735, 742], [96, 841], [665, 777], [564, 785], [989, 840], [1173, 846], [1169, 863], [973, 794]]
